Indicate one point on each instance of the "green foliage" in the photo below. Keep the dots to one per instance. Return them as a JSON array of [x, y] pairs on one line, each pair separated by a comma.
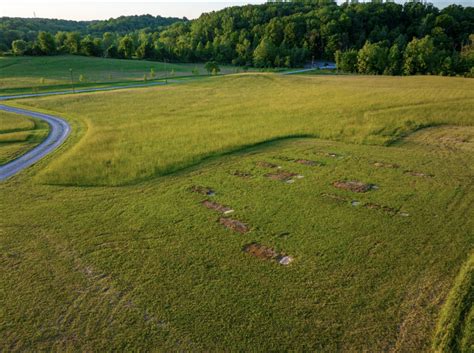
[[284, 34], [420, 56], [264, 54], [212, 67], [372, 59], [46, 43], [347, 61], [19, 47], [126, 47], [394, 61]]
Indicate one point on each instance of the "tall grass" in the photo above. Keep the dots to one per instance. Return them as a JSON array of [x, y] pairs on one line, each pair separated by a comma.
[[135, 135]]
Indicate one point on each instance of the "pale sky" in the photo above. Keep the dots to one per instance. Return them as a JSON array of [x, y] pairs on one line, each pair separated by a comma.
[[104, 9]]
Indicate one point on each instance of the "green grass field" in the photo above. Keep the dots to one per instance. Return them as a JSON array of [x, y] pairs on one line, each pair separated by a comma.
[[110, 249], [39, 74], [136, 135], [19, 134]]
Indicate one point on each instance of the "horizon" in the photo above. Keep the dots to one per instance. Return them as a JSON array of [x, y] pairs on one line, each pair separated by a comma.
[[90, 10]]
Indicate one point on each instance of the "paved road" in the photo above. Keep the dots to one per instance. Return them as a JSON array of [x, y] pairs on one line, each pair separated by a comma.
[[59, 128], [83, 90], [59, 131]]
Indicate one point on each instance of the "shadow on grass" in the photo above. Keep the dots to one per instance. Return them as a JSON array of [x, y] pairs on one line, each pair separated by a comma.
[[180, 169]]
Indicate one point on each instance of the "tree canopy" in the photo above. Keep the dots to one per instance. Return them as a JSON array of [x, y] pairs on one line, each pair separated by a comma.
[[371, 38]]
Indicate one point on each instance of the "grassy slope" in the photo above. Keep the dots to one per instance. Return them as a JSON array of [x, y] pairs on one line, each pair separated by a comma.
[[135, 135], [25, 74], [19, 134], [146, 266], [455, 329]]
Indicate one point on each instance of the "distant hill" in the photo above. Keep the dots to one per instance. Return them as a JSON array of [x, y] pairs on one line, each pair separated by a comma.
[[13, 28]]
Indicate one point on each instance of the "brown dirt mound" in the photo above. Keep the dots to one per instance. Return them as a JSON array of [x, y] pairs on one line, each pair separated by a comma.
[[241, 174], [266, 253], [260, 251], [264, 164], [280, 175], [202, 190], [418, 174], [307, 162], [234, 225], [284, 158], [216, 206], [374, 206], [334, 197], [353, 185], [386, 165]]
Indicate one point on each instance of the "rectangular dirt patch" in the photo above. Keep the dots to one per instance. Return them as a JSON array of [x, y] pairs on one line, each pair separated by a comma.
[[217, 207], [374, 206], [334, 197], [280, 175], [386, 165], [353, 185], [264, 164], [260, 251], [418, 174], [308, 162], [266, 253], [202, 190], [235, 225], [241, 174]]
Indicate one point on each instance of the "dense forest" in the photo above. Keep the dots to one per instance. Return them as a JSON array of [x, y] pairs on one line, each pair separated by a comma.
[[370, 38], [27, 29]]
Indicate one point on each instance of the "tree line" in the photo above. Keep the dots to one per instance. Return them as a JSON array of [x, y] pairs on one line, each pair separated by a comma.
[[27, 29], [371, 38]]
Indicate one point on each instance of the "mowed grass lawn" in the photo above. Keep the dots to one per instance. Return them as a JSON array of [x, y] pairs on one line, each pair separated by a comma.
[[138, 263], [36, 74], [19, 134]]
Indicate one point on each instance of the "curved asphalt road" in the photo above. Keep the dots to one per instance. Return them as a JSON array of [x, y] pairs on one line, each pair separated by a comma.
[[59, 128], [59, 131]]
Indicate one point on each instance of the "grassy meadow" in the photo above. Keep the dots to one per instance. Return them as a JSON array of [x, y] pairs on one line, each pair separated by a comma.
[[19, 134], [136, 135], [110, 248], [38, 74]]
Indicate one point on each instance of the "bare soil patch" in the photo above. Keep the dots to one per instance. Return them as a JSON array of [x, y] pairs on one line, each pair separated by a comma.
[[335, 197], [374, 206], [308, 162], [386, 165], [265, 164], [280, 175], [203, 190], [353, 185], [217, 207], [241, 174], [285, 158], [266, 253], [418, 174], [235, 225]]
